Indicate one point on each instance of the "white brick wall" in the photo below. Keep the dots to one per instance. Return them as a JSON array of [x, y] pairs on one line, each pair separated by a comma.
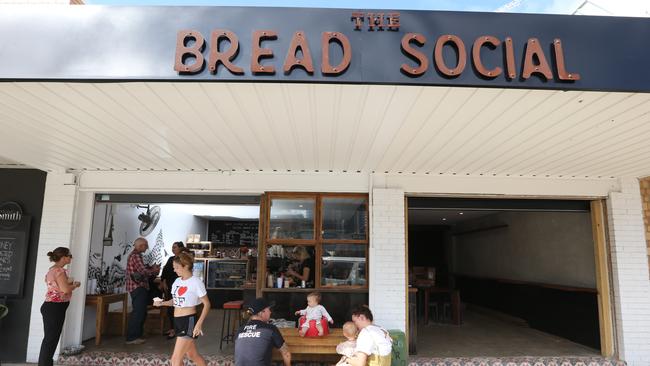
[[56, 231], [387, 258], [630, 273]]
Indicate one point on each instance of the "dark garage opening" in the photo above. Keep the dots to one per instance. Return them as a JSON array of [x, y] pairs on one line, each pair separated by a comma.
[[522, 272]]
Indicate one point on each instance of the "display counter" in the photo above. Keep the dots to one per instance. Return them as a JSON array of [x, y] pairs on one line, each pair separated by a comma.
[[225, 273], [227, 279]]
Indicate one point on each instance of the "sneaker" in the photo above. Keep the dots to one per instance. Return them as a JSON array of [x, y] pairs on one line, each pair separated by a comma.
[[136, 341]]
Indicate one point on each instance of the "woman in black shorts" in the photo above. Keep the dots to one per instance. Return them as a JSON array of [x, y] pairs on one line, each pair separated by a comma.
[[187, 293]]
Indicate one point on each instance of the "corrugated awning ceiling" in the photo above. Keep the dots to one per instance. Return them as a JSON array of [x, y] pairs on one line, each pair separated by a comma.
[[318, 127]]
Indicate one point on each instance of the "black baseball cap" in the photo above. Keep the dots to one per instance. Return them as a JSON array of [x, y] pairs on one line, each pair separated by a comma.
[[259, 304]]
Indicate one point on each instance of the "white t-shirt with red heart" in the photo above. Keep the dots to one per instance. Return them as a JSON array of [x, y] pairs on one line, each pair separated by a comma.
[[187, 293]]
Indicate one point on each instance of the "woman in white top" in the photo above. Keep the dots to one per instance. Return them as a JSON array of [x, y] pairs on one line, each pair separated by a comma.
[[374, 345], [187, 292]]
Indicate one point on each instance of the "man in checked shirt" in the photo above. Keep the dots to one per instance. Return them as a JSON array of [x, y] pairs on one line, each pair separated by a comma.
[[137, 284]]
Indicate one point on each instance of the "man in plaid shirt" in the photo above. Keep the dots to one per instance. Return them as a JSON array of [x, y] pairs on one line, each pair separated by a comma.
[[137, 284]]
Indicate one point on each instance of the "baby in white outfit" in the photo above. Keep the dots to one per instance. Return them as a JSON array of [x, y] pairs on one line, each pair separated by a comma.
[[346, 349], [314, 311]]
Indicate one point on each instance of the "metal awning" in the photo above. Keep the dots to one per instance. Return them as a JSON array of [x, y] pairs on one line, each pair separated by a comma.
[[195, 126]]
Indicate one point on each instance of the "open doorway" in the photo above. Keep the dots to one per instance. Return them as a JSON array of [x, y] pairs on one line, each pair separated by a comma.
[[500, 277], [221, 233]]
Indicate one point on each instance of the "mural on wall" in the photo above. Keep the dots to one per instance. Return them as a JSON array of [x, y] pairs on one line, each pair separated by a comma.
[[117, 225], [112, 276], [107, 277], [107, 265], [155, 253]]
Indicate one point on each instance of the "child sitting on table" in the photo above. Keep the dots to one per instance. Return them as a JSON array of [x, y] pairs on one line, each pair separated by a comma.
[[314, 311], [346, 348]]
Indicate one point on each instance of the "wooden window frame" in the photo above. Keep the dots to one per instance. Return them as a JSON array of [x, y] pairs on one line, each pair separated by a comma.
[[317, 242], [285, 195]]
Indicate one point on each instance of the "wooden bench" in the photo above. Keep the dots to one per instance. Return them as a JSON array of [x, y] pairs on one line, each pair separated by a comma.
[[321, 349]]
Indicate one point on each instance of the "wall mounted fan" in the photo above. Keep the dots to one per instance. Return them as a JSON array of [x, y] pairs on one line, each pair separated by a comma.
[[149, 219]]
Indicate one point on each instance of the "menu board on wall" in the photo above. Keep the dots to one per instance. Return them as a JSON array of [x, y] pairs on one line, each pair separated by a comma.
[[13, 256], [233, 233]]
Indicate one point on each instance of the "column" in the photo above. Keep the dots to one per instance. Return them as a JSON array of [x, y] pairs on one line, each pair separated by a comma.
[[56, 231], [630, 273], [387, 256]]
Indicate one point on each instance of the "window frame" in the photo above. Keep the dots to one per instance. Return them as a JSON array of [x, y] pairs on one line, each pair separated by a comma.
[[317, 242]]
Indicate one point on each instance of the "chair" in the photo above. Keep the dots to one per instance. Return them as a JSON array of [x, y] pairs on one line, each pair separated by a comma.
[[231, 312], [312, 331], [161, 312], [434, 311], [424, 276], [420, 277]]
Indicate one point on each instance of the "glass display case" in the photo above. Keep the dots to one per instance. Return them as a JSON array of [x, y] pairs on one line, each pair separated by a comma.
[[344, 218], [198, 269], [292, 218], [226, 273], [343, 265]]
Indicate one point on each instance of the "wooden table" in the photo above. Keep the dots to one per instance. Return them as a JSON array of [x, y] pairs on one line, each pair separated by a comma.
[[102, 302], [311, 348], [454, 296]]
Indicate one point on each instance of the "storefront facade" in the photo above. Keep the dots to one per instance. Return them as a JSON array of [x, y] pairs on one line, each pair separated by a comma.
[[197, 101]]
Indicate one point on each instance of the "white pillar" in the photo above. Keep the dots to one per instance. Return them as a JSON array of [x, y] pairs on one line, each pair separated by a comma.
[[80, 247], [56, 231], [387, 256], [630, 273]]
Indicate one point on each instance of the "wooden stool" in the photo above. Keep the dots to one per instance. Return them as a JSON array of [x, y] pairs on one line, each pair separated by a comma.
[[230, 308], [162, 314], [433, 307], [446, 311]]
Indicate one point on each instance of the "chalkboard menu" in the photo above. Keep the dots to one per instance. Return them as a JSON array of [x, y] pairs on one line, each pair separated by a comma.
[[233, 233], [13, 257]]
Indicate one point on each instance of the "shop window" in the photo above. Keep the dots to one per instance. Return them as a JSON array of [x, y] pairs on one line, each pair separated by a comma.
[[292, 218], [326, 233], [285, 263], [343, 265], [344, 218]]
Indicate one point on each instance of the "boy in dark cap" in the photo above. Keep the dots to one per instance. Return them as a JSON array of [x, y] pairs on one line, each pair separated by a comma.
[[256, 339]]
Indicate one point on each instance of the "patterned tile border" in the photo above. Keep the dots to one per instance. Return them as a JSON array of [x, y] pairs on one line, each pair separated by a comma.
[[515, 361], [133, 359], [152, 359]]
